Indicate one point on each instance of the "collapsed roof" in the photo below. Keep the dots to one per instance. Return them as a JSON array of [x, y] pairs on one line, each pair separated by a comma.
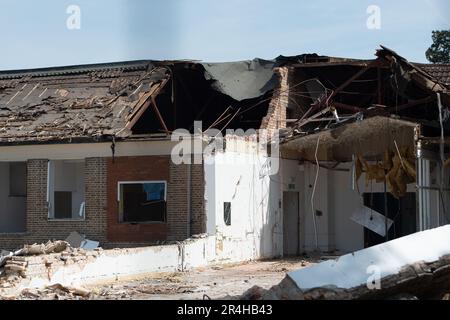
[[343, 108], [120, 100], [143, 99]]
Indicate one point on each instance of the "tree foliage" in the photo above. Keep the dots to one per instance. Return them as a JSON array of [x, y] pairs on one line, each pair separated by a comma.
[[439, 51]]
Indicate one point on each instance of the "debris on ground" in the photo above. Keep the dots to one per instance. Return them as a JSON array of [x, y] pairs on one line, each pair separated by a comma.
[[214, 282], [421, 272], [55, 292], [77, 240], [40, 261], [28, 265], [37, 249]]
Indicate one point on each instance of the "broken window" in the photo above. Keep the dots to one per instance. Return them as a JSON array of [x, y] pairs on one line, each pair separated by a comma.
[[66, 189], [142, 201], [227, 213]]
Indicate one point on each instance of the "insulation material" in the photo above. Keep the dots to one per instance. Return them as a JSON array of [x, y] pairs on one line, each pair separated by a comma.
[[242, 79], [372, 220], [396, 169], [447, 162]]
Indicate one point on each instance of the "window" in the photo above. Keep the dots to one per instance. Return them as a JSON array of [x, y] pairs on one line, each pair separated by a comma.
[[65, 189], [227, 213], [13, 201], [17, 179], [142, 201]]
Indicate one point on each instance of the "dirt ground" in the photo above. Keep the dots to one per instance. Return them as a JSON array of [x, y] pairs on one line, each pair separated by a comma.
[[211, 282]]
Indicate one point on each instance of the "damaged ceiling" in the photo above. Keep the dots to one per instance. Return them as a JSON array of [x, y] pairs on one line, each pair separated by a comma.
[[339, 107], [98, 102]]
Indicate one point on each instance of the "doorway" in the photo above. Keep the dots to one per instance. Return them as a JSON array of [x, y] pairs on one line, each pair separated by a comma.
[[402, 211], [291, 223]]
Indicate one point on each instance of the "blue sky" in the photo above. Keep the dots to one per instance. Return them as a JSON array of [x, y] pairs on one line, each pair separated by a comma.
[[34, 33]]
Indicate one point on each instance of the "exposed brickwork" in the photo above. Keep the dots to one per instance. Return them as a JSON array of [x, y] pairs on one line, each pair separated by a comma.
[[157, 168], [134, 169], [40, 228], [101, 212], [198, 218], [177, 202], [276, 113]]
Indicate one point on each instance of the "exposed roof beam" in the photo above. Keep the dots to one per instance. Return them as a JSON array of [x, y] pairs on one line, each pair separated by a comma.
[[411, 104]]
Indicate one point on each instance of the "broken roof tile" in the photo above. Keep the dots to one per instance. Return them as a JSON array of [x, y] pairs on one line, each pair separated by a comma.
[[58, 105]]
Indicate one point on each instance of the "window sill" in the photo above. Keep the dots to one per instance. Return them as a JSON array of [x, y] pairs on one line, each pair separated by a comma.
[[14, 233], [143, 222], [80, 219]]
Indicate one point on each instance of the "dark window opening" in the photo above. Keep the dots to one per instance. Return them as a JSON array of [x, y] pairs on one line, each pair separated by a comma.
[[17, 179], [227, 213], [63, 205], [402, 211], [142, 201]]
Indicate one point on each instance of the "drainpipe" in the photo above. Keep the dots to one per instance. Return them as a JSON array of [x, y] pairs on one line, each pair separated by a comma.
[[189, 197], [442, 158], [422, 194]]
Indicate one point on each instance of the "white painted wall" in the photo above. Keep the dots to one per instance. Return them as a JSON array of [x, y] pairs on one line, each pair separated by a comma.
[[256, 227], [348, 235], [337, 200], [321, 203], [12, 208], [85, 150], [291, 178], [116, 263]]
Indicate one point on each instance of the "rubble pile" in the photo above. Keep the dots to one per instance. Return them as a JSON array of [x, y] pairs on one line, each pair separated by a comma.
[[30, 266], [55, 292], [40, 261]]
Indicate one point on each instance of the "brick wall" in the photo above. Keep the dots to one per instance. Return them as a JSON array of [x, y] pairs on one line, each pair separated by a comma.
[[101, 212], [276, 113], [134, 169], [198, 218], [42, 229], [177, 177]]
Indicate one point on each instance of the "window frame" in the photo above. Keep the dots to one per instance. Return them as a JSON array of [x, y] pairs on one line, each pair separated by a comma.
[[119, 183], [227, 204], [50, 205]]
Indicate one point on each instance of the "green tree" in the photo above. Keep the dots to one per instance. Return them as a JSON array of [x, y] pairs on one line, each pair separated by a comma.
[[439, 51]]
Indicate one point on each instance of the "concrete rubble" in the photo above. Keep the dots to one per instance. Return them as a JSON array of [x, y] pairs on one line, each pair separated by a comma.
[[421, 271], [38, 260]]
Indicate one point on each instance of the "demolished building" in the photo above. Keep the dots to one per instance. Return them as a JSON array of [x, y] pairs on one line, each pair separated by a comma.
[[88, 149], [383, 121]]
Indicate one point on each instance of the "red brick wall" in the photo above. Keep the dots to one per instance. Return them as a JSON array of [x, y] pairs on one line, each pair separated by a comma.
[[131, 169]]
